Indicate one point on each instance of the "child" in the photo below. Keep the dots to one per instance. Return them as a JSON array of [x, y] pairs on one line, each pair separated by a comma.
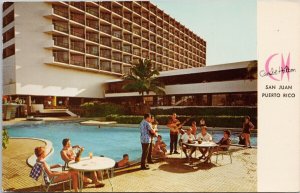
[[123, 162], [159, 149]]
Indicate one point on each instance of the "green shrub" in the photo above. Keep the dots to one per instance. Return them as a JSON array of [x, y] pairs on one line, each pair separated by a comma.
[[208, 111], [211, 121], [92, 109], [5, 138]]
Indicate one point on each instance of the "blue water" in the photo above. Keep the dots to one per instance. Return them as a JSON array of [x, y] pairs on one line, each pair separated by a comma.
[[111, 142]]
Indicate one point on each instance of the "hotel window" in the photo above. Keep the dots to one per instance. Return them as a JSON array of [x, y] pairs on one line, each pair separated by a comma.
[[77, 60], [8, 35], [61, 41], [9, 51], [105, 41], [117, 45], [105, 65], [94, 50], [60, 56], [8, 18], [218, 100], [116, 67], [127, 48]]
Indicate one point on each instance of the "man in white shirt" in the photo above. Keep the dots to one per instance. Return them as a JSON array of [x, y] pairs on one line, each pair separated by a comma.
[[206, 137], [187, 138]]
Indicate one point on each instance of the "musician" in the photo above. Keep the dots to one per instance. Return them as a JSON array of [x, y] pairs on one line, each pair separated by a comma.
[[153, 124], [173, 124]]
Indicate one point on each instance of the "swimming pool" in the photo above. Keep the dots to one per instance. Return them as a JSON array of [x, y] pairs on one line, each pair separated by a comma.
[[111, 142]]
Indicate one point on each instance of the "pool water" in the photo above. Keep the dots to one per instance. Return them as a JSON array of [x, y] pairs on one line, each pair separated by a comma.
[[111, 142]]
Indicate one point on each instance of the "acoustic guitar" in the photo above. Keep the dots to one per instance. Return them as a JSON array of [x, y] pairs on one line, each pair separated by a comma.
[[178, 126]]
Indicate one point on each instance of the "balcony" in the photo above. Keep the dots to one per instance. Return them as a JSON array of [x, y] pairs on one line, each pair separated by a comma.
[[93, 24], [107, 5], [136, 31], [127, 49], [105, 54], [127, 26], [77, 32], [93, 11], [117, 34], [77, 62], [61, 27], [137, 20], [117, 45], [92, 63], [105, 17], [78, 5], [105, 66], [117, 22], [117, 56], [105, 41], [127, 59], [127, 37], [77, 18], [105, 29], [61, 43], [137, 42], [61, 11], [117, 10], [116, 68], [128, 16], [78, 46], [145, 25], [136, 52], [94, 50], [62, 57], [92, 37]]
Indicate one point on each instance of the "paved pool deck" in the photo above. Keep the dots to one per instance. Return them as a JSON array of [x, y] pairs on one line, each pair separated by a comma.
[[172, 175]]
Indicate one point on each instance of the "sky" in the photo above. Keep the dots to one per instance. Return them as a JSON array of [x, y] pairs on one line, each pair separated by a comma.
[[227, 26]]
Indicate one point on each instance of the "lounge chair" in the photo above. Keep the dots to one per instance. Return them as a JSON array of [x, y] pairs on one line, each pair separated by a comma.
[[223, 152]]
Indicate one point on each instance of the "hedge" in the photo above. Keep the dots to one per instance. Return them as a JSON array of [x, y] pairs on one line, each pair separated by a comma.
[[94, 109], [208, 111], [211, 121]]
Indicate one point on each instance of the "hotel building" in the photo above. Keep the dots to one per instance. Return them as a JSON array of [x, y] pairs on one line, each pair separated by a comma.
[[68, 49], [218, 85]]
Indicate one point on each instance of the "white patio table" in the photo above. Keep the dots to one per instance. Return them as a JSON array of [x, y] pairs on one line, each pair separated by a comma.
[[204, 144], [96, 163]]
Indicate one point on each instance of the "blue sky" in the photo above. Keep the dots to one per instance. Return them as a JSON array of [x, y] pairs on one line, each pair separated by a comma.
[[228, 26]]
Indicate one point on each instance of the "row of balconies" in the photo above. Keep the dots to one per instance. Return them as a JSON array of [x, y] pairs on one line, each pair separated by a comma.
[[158, 18], [80, 19]]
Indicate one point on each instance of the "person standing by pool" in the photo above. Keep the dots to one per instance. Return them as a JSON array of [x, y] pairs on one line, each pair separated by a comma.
[[146, 131], [67, 154], [247, 127], [154, 127], [173, 124]]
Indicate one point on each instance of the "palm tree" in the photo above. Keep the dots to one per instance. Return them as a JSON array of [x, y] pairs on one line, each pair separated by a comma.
[[143, 79]]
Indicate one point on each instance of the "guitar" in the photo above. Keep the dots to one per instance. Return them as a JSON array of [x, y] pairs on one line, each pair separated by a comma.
[[178, 126]]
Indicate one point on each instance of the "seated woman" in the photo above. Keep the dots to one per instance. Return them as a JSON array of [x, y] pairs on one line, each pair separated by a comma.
[[67, 154], [48, 174], [123, 162], [225, 142], [159, 149]]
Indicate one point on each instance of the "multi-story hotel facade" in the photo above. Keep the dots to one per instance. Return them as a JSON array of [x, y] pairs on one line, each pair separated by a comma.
[[68, 50]]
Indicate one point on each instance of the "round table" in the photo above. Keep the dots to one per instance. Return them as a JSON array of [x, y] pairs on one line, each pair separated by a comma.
[[96, 163], [204, 144]]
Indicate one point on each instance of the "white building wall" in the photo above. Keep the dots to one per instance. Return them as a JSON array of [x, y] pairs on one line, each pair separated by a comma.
[[33, 76]]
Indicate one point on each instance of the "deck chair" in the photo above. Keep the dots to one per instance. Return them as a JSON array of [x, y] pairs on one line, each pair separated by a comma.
[[49, 182], [223, 152]]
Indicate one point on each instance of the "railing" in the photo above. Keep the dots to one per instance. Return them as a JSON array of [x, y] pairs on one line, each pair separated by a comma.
[[105, 42], [78, 5], [61, 44], [77, 18], [117, 34], [77, 47], [78, 34], [77, 62], [60, 12], [92, 11], [61, 28], [92, 24], [105, 17], [61, 59], [93, 38]]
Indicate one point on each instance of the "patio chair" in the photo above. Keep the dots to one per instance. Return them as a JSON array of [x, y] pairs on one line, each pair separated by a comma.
[[223, 152], [181, 148], [47, 183]]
